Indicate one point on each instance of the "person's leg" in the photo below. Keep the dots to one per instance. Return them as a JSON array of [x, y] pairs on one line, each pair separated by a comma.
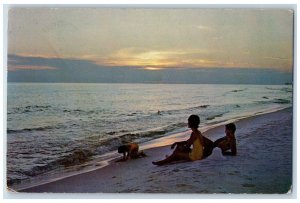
[[142, 154], [169, 159], [176, 156], [138, 155], [134, 153], [183, 156], [181, 148]]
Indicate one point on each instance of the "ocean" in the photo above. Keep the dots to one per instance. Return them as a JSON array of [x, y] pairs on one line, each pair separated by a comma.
[[58, 128]]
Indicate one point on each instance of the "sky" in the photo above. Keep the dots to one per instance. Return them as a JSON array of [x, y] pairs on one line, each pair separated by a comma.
[[45, 42]]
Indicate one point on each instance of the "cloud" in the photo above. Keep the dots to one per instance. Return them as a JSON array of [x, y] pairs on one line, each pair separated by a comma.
[[141, 57], [29, 55], [36, 69], [17, 62], [175, 58], [146, 59], [157, 58], [29, 67]]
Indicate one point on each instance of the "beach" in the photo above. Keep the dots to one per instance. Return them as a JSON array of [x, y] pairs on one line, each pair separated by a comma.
[[263, 165], [81, 82]]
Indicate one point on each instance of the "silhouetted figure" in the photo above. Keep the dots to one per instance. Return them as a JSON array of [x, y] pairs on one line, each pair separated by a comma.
[[130, 150], [183, 150], [228, 143]]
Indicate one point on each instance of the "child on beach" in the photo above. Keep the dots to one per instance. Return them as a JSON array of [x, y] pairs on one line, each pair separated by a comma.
[[183, 151], [130, 150], [228, 142]]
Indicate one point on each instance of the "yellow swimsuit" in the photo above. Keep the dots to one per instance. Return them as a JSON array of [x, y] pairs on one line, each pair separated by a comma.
[[197, 151]]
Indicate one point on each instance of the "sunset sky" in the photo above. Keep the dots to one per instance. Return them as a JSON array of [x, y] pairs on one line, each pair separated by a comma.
[[152, 39]]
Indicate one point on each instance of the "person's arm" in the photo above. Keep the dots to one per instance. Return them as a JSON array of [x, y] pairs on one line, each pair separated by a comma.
[[178, 143], [233, 150], [123, 158], [126, 155], [191, 140], [216, 143]]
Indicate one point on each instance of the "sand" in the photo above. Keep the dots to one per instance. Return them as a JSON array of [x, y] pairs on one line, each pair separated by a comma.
[[263, 166]]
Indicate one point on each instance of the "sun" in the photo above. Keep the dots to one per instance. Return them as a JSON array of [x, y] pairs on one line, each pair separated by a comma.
[[152, 68]]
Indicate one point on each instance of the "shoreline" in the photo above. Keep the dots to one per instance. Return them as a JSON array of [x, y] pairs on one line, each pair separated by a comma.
[[108, 158], [113, 169]]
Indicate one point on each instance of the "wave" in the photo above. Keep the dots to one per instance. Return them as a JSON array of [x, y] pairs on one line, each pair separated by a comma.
[[29, 109], [239, 90], [114, 139], [283, 89], [201, 107], [81, 112], [76, 157], [281, 101], [274, 101], [214, 116], [170, 112], [87, 150], [286, 89], [37, 108], [31, 129], [234, 91]]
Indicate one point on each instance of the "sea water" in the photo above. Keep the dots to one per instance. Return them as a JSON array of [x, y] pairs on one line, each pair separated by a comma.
[[55, 126]]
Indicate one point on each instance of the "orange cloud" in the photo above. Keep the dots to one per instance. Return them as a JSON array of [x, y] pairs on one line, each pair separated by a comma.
[[152, 58]]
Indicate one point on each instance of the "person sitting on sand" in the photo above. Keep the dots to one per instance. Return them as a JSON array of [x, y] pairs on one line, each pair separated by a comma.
[[130, 150], [183, 151], [228, 142]]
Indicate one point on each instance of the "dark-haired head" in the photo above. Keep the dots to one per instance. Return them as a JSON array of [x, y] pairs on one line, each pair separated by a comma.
[[122, 149], [231, 127], [194, 121]]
